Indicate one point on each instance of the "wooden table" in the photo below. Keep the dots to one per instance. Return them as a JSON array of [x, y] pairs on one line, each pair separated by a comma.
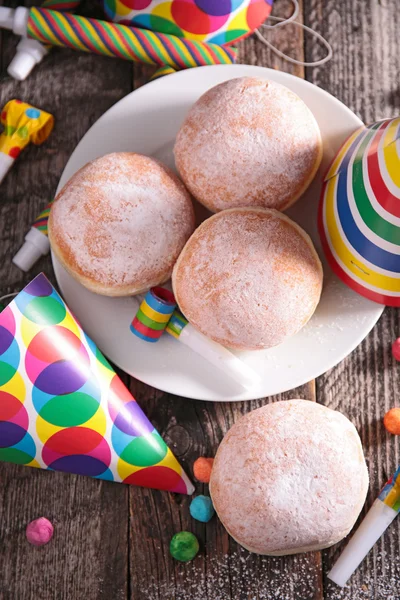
[[111, 541]]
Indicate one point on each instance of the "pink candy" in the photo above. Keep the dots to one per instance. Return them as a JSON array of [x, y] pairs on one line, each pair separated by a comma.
[[39, 532], [396, 349]]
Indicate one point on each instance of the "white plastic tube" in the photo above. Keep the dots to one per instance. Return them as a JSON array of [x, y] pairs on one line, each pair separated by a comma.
[[372, 527], [36, 245], [219, 356]]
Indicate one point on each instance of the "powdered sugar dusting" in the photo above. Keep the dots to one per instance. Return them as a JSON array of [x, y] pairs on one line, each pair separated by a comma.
[[121, 222], [248, 142], [278, 490], [248, 278], [244, 576]]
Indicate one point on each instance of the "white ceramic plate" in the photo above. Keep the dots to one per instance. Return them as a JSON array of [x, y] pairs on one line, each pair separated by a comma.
[[147, 121]]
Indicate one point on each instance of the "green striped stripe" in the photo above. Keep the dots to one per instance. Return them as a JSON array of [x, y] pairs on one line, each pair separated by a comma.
[[61, 23], [206, 57], [149, 37], [89, 32], [371, 218], [177, 44], [110, 30], [38, 24], [149, 322], [222, 54], [176, 323], [138, 50]]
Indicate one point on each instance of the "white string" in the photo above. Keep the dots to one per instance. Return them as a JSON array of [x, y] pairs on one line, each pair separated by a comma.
[[292, 17], [280, 23], [8, 296]]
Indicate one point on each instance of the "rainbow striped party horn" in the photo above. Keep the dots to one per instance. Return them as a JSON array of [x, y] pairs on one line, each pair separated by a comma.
[[383, 511], [36, 242], [359, 217], [30, 52], [110, 39], [157, 314]]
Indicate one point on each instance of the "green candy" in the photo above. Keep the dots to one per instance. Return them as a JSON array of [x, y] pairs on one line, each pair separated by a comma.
[[184, 546]]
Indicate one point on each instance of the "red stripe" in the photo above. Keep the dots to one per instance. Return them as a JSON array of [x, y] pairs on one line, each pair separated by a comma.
[[125, 43], [211, 51], [171, 51], [41, 222], [144, 330], [84, 35], [38, 35], [337, 269], [105, 38], [383, 195], [59, 33], [147, 45]]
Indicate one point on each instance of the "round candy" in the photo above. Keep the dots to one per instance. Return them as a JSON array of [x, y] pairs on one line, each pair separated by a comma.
[[396, 349], [202, 469], [184, 546], [391, 421], [202, 509], [39, 532]]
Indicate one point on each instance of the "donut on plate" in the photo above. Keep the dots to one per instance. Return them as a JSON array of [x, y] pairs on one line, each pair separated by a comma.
[[119, 224]]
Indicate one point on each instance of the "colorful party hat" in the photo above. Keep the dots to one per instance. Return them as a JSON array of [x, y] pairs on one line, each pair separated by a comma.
[[62, 406], [359, 217], [216, 21]]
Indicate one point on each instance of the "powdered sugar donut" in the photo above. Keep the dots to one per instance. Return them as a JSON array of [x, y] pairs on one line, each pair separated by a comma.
[[248, 142], [289, 477], [248, 278], [119, 224]]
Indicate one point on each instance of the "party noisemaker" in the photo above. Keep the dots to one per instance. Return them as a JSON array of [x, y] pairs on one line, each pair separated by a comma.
[[383, 511], [359, 216], [62, 406], [22, 124], [157, 313]]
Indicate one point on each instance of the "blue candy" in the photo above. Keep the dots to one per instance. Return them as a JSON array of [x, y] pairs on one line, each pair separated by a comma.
[[201, 509]]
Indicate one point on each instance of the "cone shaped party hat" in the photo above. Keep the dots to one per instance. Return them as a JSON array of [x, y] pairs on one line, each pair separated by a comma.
[[62, 406], [359, 216], [217, 21]]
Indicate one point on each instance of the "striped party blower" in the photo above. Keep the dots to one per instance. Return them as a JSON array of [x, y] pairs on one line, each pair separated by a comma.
[[158, 313], [36, 242], [130, 43], [383, 511]]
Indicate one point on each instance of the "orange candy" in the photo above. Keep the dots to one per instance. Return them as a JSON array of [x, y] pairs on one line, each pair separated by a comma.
[[202, 469], [391, 421]]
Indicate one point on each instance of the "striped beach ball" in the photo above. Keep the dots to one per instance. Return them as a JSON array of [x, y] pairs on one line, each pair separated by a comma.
[[359, 216], [216, 21]]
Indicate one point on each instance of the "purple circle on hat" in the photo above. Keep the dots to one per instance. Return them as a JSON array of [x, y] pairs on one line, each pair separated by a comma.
[[40, 286], [62, 377], [81, 464], [216, 9], [6, 339], [10, 434], [132, 420]]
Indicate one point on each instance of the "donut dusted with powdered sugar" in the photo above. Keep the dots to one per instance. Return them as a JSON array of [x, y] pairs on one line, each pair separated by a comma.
[[248, 142], [120, 222], [289, 477], [248, 278]]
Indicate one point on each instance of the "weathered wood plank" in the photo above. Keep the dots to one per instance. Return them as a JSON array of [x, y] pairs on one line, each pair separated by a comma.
[[364, 75], [88, 557]]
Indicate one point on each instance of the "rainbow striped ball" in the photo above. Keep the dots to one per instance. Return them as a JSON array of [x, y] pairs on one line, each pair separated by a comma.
[[359, 217]]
